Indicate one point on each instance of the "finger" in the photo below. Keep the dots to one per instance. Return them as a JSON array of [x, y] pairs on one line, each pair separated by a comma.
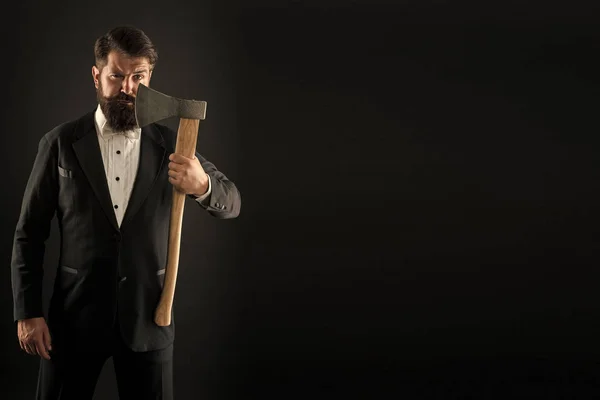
[[179, 158], [173, 174], [30, 349], [47, 339], [33, 348], [176, 184], [173, 166], [41, 348], [24, 346]]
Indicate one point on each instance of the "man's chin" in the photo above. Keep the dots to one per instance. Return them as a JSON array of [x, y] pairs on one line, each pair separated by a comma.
[[122, 124]]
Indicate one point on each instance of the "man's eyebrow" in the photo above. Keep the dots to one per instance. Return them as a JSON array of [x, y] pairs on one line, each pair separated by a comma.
[[137, 71]]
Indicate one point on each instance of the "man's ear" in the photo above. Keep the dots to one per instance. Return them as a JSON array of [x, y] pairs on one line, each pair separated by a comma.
[[95, 75]]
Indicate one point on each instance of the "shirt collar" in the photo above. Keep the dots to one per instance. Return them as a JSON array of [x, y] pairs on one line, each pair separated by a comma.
[[106, 132]]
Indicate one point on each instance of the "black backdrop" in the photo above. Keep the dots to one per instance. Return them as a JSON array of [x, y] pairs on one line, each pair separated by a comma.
[[419, 184]]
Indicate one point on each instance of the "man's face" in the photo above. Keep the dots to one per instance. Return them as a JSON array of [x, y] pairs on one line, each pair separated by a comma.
[[116, 87]]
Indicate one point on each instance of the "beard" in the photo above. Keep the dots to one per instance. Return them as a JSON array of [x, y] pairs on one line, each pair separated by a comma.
[[120, 115]]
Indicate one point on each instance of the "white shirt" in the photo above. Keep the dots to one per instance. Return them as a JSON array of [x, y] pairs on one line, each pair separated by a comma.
[[121, 156]]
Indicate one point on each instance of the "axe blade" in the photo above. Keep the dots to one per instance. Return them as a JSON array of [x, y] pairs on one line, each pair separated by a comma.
[[152, 106]]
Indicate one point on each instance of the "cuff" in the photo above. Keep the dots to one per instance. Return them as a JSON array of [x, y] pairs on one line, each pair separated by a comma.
[[205, 195]]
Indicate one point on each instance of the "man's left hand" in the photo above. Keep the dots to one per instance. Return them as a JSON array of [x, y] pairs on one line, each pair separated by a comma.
[[187, 175]]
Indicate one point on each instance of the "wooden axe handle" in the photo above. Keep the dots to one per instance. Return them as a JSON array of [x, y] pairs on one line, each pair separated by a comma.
[[187, 135]]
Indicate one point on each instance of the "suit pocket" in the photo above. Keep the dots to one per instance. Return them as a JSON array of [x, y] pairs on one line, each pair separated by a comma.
[[66, 173], [68, 277], [160, 274], [69, 270]]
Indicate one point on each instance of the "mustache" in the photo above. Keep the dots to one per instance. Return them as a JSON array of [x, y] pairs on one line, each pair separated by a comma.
[[121, 97]]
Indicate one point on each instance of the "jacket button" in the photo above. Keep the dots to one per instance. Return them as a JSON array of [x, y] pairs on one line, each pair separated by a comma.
[[217, 205], [117, 237]]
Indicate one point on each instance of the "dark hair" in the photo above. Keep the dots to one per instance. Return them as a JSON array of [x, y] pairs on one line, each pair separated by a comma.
[[126, 40]]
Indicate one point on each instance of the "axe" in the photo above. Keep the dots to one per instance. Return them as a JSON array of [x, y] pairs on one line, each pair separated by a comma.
[[152, 106]]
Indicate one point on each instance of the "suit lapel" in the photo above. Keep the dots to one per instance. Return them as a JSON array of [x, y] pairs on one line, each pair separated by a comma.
[[152, 156], [87, 150]]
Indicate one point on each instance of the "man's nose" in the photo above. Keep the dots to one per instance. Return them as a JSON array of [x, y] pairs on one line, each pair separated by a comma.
[[127, 87]]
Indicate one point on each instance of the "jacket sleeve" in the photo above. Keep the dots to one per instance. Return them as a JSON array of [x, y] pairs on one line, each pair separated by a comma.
[[224, 201], [33, 227]]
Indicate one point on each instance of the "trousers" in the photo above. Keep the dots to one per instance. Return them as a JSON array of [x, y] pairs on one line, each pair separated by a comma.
[[72, 375]]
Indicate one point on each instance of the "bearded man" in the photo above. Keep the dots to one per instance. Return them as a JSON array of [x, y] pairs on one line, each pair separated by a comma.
[[109, 184]]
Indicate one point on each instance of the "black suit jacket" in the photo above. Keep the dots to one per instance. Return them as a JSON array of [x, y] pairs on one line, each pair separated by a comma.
[[105, 271]]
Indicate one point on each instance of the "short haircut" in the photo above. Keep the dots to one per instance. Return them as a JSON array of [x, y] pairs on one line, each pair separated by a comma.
[[127, 40]]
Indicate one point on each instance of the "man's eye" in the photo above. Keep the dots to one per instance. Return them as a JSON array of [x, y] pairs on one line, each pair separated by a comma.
[[138, 77]]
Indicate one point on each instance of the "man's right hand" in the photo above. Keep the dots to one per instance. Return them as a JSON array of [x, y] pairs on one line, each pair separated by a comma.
[[34, 336]]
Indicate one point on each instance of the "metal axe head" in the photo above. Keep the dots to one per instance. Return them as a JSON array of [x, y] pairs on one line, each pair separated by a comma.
[[152, 106]]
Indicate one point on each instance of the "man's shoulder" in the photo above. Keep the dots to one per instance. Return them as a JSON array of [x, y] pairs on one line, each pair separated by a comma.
[[69, 130]]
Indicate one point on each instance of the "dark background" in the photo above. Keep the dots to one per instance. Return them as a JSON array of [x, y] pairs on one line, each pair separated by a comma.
[[419, 188]]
